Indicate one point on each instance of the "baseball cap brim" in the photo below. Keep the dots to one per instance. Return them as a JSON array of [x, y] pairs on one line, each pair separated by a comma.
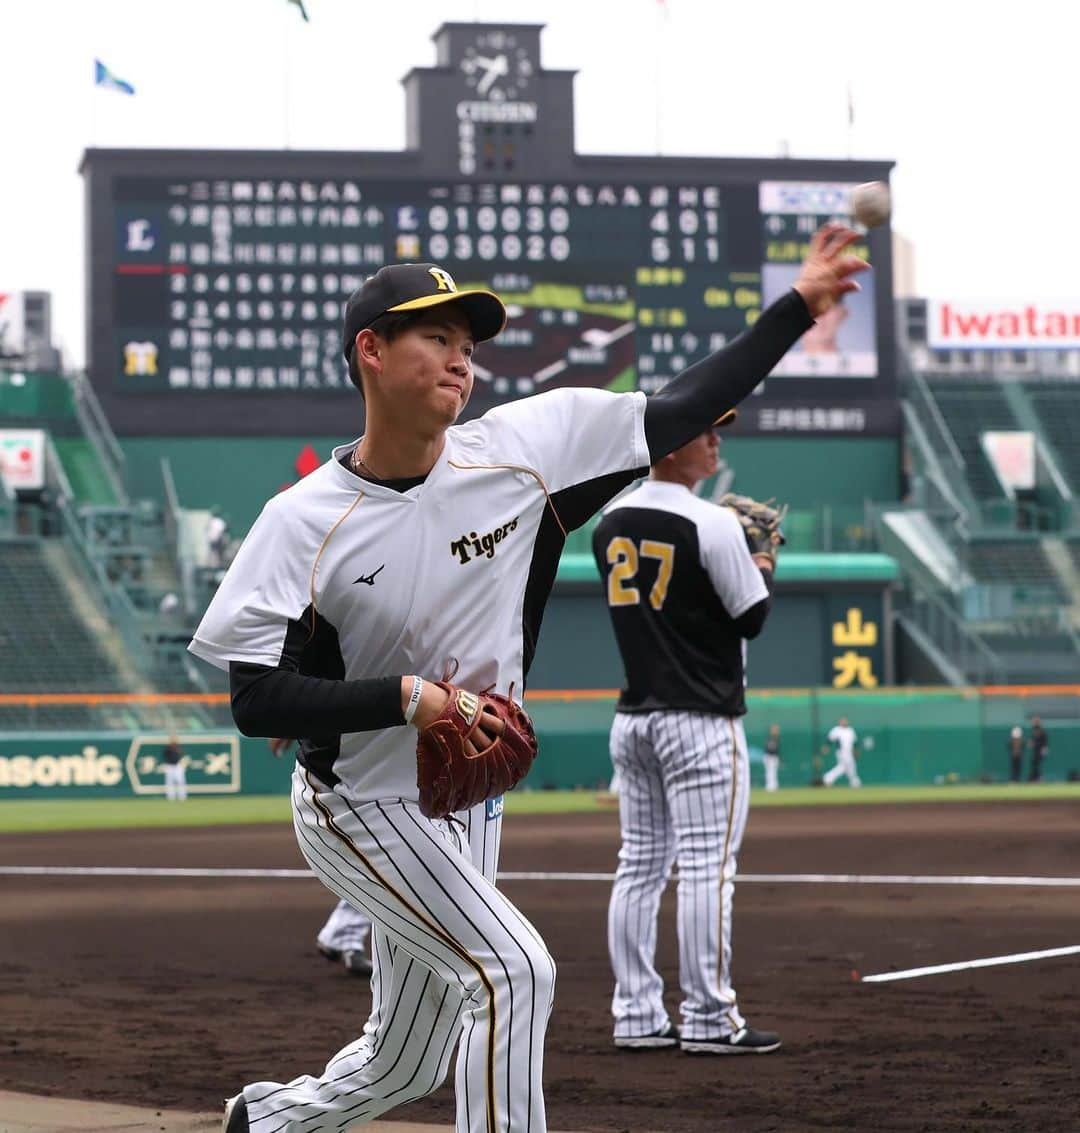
[[727, 418], [483, 309]]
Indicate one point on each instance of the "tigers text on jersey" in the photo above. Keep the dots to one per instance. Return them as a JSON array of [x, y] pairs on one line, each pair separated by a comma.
[[457, 568], [678, 574]]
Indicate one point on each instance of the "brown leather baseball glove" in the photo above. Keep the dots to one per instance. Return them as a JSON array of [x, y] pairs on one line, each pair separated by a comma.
[[458, 764], [760, 523]]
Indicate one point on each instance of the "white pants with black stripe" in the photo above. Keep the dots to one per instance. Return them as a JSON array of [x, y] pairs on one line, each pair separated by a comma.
[[453, 957], [684, 795]]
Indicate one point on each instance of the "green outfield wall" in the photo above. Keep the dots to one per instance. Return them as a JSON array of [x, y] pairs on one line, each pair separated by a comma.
[[804, 471], [233, 475], [830, 624], [909, 736], [236, 475]]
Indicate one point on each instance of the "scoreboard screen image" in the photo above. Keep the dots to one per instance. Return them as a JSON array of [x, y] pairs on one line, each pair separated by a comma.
[[218, 278], [238, 285]]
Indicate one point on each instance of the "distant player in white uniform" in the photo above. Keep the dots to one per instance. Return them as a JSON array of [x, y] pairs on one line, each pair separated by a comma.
[[771, 758], [684, 593], [843, 735], [421, 547]]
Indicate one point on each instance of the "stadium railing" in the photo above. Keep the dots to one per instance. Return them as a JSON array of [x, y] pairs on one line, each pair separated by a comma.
[[122, 613], [98, 432]]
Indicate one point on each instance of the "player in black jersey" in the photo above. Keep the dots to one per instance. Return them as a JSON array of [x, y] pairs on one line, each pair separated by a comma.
[[684, 594]]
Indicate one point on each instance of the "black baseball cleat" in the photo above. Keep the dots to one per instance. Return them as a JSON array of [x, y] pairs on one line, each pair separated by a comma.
[[356, 963], [666, 1037], [236, 1116], [330, 953], [746, 1041]]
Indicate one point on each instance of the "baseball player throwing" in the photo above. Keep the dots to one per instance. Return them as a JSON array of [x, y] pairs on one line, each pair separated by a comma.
[[426, 549], [684, 592], [843, 735]]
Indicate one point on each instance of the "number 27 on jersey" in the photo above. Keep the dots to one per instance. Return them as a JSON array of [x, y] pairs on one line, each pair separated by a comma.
[[624, 557]]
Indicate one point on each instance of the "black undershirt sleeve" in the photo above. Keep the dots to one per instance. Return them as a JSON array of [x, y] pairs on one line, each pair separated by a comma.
[[703, 392], [280, 702], [751, 622]]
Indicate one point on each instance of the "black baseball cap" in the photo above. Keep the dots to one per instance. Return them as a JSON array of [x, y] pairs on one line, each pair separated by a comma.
[[414, 287]]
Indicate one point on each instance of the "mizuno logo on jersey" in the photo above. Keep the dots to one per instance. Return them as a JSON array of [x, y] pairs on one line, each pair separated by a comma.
[[368, 579], [473, 546]]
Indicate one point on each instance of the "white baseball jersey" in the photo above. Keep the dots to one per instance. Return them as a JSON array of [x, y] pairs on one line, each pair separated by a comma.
[[456, 569], [843, 735]]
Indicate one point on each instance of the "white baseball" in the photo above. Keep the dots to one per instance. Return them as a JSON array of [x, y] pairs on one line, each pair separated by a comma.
[[871, 204]]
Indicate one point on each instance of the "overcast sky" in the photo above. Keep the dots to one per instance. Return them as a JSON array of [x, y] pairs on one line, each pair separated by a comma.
[[975, 102]]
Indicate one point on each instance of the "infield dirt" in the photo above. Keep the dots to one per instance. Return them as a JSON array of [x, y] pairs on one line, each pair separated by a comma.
[[175, 992]]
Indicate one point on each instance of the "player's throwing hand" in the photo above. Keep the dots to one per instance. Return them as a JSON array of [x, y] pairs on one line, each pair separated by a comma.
[[826, 275]]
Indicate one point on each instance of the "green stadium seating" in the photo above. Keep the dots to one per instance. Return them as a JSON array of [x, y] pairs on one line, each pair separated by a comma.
[[1020, 563], [972, 406], [44, 645], [1057, 404]]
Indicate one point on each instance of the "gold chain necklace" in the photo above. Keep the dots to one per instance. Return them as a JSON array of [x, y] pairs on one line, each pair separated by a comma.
[[357, 459]]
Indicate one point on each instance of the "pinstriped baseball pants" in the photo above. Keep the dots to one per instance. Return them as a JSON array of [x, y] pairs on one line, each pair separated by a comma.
[[453, 958], [683, 798]]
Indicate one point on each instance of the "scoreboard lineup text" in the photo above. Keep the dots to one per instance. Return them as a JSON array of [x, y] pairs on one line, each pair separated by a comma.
[[238, 284]]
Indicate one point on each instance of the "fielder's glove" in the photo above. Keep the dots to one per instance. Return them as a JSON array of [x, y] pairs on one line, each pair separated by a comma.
[[457, 765], [760, 523]]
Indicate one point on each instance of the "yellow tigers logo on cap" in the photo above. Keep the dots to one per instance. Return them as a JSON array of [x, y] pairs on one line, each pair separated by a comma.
[[443, 279]]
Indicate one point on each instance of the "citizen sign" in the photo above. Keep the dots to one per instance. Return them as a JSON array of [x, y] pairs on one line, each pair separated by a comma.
[[958, 325], [496, 111]]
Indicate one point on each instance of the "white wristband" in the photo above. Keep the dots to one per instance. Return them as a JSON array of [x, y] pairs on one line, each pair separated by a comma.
[[414, 699]]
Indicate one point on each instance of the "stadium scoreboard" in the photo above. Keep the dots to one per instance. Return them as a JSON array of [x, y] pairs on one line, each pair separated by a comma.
[[218, 278]]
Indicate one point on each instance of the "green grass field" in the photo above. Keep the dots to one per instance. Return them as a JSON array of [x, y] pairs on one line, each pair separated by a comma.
[[38, 815]]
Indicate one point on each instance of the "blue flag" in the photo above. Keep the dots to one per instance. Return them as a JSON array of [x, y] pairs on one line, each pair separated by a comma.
[[103, 77]]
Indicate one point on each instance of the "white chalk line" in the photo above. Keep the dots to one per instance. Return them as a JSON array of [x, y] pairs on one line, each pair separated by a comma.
[[744, 878], [988, 962], [765, 878]]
